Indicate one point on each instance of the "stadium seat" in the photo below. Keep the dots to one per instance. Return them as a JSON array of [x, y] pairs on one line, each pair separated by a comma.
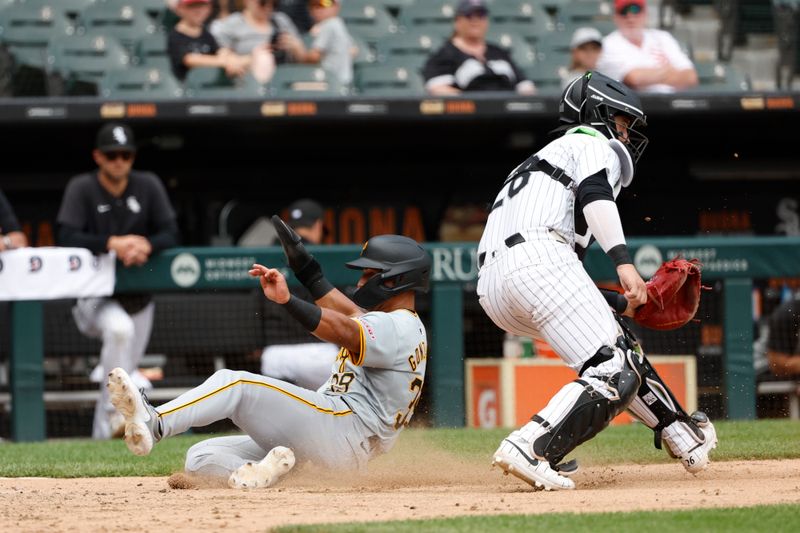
[[138, 83], [546, 73], [515, 12], [409, 49], [304, 81], [368, 19], [366, 52], [70, 8], [432, 15], [26, 26], [531, 31], [554, 43], [389, 81], [717, 77], [126, 21], [584, 12], [81, 61], [212, 83], [152, 52], [521, 52]]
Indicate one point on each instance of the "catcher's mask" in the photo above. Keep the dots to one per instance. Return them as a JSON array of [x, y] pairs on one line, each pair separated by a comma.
[[594, 99], [395, 258]]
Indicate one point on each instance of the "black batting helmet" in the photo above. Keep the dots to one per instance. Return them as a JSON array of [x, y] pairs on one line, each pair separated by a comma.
[[396, 258], [594, 99]]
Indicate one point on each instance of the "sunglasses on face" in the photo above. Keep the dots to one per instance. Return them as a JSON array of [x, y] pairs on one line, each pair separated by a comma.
[[631, 9], [113, 156]]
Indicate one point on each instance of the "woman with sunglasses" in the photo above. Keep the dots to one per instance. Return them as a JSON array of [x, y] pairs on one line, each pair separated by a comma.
[[466, 62], [645, 59], [116, 209]]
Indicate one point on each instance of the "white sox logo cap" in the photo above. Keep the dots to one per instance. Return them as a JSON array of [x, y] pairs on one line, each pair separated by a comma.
[[115, 137]]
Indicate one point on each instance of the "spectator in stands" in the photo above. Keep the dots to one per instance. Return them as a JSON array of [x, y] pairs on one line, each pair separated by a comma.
[[191, 45], [586, 45], [309, 363], [646, 59], [11, 235], [116, 209], [298, 11], [466, 62], [783, 342], [258, 29], [332, 47]]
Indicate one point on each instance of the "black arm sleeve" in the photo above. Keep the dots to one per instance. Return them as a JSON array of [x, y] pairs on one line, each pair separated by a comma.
[[593, 188], [73, 237]]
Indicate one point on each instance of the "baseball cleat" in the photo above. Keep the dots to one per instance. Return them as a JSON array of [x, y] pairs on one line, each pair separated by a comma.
[[697, 459], [265, 473], [513, 458], [141, 419]]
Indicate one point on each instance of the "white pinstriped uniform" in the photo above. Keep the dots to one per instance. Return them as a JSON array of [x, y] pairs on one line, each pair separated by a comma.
[[539, 288]]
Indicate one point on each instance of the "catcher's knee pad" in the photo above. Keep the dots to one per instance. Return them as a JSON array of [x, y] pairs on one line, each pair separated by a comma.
[[591, 403]]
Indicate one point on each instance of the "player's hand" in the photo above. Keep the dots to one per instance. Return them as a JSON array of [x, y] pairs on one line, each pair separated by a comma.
[[632, 282], [272, 283]]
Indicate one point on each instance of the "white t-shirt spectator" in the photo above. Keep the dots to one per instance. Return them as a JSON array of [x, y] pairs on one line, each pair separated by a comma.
[[620, 56]]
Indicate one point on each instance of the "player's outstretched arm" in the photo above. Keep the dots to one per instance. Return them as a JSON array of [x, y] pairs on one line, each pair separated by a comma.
[[326, 324]]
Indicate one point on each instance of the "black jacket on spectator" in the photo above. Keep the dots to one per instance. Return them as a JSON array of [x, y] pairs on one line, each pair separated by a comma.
[[451, 66], [179, 45]]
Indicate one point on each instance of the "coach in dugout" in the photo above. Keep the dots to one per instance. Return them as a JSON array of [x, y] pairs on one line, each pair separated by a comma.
[[11, 235], [645, 59], [116, 209]]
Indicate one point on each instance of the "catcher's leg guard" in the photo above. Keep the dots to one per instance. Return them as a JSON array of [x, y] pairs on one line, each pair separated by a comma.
[[689, 438], [584, 407]]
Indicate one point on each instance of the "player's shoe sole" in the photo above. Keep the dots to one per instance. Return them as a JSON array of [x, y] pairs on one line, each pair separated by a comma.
[[127, 399], [512, 459], [266, 472]]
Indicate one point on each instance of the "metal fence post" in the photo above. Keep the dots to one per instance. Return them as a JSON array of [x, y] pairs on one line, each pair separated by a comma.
[[740, 379], [27, 375], [447, 355]]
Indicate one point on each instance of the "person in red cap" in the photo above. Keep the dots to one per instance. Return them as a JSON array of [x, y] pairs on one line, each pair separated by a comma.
[[643, 58]]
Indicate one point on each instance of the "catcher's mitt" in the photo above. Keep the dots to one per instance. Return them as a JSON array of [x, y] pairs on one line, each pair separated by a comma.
[[673, 295]]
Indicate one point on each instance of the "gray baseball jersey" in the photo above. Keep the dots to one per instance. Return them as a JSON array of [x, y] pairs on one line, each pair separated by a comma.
[[359, 413]]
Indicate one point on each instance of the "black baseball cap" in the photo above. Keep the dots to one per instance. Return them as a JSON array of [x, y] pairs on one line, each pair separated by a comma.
[[115, 136], [304, 213], [468, 7]]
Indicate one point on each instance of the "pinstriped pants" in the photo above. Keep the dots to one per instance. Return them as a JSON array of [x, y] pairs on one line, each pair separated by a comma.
[[540, 289], [317, 427]]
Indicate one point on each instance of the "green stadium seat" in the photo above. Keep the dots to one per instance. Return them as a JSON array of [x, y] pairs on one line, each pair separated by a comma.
[[26, 26], [5, 3], [546, 73], [212, 83], [307, 81], [81, 61], [521, 52], [140, 83], [70, 8], [584, 12], [389, 81], [152, 52], [718, 77], [126, 21], [368, 19], [366, 52], [530, 31], [438, 14], [155, 9], [515, 12], [554, 43], [410, 49]]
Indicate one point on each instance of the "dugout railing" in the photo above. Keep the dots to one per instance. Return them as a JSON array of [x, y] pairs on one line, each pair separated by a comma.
[[733, 262]]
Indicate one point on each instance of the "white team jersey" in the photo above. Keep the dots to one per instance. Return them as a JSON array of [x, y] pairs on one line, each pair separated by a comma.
[[383, 384], [534, 200]]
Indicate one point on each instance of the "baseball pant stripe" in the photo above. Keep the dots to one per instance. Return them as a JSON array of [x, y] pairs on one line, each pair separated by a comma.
[[260, 384]]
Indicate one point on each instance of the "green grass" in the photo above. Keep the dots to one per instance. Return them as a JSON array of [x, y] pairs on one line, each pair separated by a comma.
[[763, 439], [772, 518]]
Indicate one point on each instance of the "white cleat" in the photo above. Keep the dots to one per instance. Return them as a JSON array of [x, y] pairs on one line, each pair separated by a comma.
[[266, 472], [513, 457], [696, 459], [141, 420]]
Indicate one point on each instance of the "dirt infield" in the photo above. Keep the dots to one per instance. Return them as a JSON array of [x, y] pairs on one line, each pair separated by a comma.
[[438, 488]]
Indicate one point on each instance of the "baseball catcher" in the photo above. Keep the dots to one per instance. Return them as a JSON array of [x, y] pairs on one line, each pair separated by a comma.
[[531, 282], [374, 387]]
